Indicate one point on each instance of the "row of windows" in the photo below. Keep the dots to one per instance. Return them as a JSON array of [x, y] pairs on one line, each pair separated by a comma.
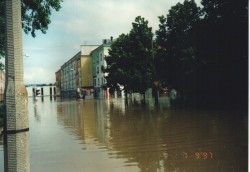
[[68, 86], [99, 81], [68, 73], [100, 58], [99, 68]]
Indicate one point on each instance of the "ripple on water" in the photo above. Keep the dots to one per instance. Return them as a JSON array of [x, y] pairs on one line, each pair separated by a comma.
[[105, 135]]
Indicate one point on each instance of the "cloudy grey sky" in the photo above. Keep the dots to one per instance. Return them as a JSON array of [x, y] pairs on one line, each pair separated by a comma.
[[84, 22]]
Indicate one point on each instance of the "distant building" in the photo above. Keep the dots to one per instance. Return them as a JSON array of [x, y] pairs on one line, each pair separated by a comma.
[[76, 75], [58, 83], [82, 76], [2, 84]]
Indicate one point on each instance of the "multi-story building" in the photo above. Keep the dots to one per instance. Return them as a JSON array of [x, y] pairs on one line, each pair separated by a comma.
[[58, 83], [76, 74], [68, 80], [98, 63]]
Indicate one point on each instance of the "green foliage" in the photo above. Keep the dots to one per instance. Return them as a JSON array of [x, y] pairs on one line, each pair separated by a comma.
[[203, 53], [176, 57], [130, 62], [141, 40], [35, 16], [223, 45], [118, 63]]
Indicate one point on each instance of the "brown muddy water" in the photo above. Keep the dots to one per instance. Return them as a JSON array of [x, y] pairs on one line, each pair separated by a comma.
[[107, 136]]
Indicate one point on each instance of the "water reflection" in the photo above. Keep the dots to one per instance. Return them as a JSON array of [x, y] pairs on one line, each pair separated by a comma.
[[106, 135], [160, 139]]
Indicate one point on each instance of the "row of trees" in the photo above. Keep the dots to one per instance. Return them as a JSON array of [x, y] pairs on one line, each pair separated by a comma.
[[202, 52]]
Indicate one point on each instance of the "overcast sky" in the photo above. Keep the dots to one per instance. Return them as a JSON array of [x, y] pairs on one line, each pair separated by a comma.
[[82, 22]]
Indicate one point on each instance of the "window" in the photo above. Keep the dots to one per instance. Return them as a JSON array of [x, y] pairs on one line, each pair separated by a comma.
[[98, 82], [100, 55], [97, 69]]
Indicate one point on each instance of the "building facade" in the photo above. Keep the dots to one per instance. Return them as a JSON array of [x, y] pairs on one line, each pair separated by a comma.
[[86, 80], [98, 63], [82, 76], [76, 75], [68, 79], [58, 83]]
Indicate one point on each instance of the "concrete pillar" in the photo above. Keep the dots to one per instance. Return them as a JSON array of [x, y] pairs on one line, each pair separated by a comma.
[[16, 135]]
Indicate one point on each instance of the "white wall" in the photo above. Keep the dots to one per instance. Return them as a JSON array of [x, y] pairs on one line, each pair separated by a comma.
[[86, 49]]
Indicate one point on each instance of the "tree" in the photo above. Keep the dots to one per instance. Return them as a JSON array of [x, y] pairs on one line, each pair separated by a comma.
[[130, 61], [223, 44], [118, 63], [176, 57], [35, 16], [141, 38], [161, 60]]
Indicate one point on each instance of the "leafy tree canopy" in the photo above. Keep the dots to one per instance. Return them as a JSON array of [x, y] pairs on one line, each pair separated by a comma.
[[35, 16], [130, 61], [175, 43], [223, 42]]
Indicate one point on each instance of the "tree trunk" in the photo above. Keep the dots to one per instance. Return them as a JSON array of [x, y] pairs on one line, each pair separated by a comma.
[[126, 98], [144, 99], [156, 97]]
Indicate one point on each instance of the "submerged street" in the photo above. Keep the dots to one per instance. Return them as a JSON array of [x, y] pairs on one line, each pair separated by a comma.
[[107, 136]]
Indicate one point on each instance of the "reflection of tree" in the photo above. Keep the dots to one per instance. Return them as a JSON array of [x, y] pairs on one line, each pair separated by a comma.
[[1, 139], [157, 138], [200, 131], [135, 136]]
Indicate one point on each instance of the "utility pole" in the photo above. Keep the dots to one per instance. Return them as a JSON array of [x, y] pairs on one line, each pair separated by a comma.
[[16, 122]]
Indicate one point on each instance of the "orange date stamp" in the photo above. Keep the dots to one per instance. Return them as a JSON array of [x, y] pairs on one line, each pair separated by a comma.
[[198, 155]]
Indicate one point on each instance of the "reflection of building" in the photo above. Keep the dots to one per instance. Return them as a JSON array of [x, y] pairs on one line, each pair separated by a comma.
[[2, 84], [80, 115], [98, 62], [76, 74]]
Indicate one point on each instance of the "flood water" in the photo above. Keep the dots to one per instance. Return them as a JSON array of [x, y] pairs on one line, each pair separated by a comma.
[[107, 136]]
